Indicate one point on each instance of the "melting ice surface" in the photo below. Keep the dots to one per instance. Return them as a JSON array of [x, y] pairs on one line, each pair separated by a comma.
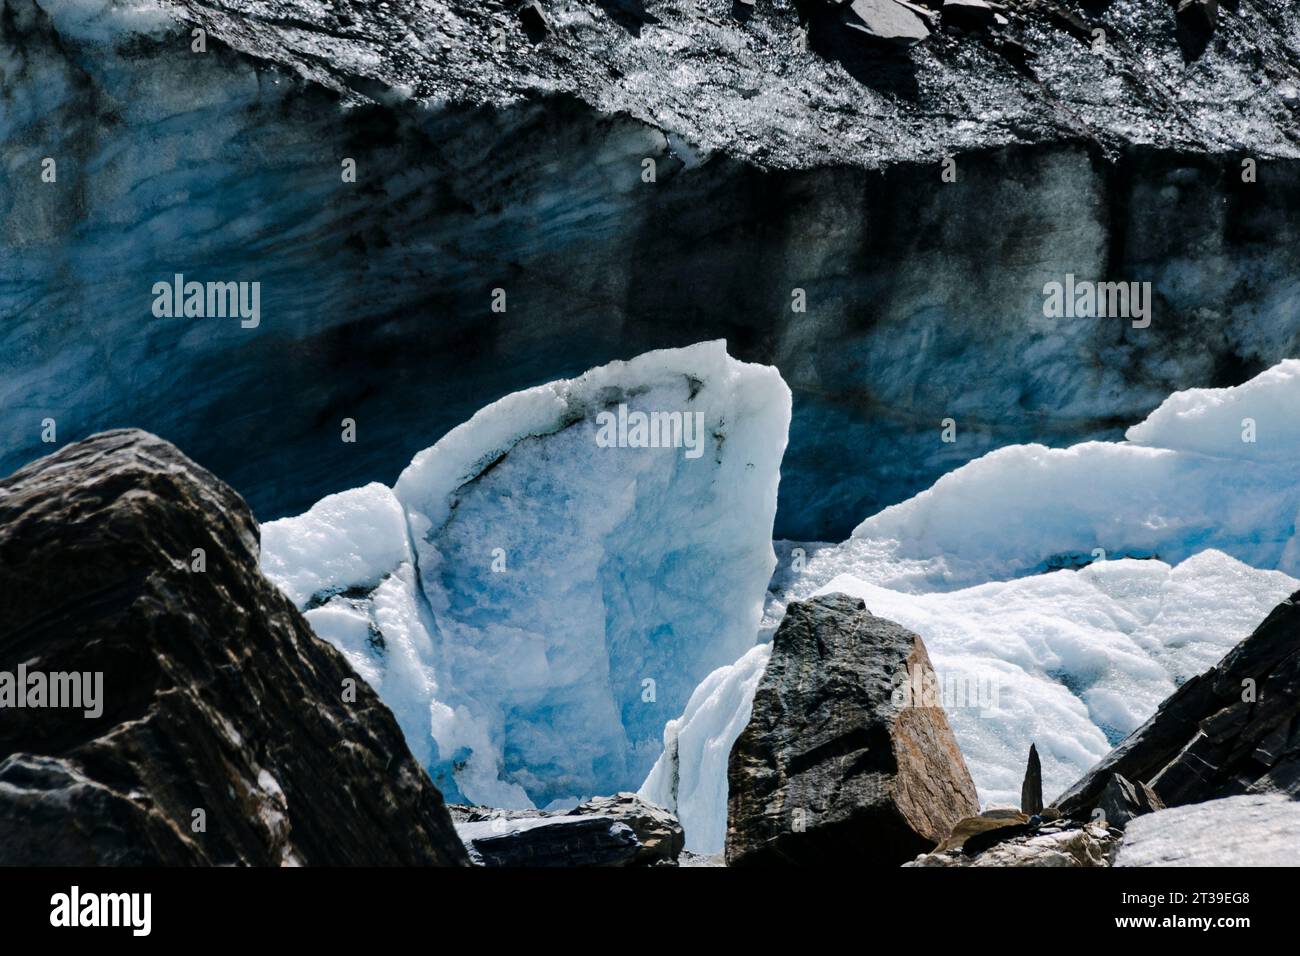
[[1205, 489], [534, 606]]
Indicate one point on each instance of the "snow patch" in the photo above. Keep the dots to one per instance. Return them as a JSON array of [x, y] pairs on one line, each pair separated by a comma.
[[1253, 830]]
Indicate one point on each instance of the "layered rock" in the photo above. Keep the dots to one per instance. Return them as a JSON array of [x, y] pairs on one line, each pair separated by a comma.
[[844, 758], [1121, 801], [1233, 730], [621, 830], [226, 732]]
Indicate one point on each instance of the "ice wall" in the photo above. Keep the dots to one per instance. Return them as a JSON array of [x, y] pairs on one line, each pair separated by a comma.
[[541, 591]]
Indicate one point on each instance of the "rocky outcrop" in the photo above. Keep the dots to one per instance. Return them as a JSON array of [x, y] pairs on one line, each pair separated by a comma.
[[1121, 801], [844, 758], [213, 726], [621, 830], [1233, 730], [1056, 844]]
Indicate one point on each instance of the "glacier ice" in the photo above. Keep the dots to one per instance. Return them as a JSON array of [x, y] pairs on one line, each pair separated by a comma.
[[1070, 660], [1209, 468], [534, 606], [690, 777], [980, 565]]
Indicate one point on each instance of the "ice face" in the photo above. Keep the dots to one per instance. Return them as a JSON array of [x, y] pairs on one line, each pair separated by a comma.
[[543, 588]]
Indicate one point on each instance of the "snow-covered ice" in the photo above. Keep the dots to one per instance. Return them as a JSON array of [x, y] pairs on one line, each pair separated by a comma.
[[1204, 489], [1209, 468], [690, 777], [535, 606], [1070, 660], [1251, 830]]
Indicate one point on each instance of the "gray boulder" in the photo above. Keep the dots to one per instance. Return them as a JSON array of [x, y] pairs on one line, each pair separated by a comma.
[[839, 761], [1256, 830], [888, 21], [622, 830], [226, 732]]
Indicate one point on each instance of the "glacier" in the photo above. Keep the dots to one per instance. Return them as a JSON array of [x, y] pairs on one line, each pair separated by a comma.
[[225, 166], [1013, 570], [534, 606]]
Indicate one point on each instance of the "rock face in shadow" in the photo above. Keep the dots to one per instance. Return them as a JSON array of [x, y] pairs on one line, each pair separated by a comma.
[[840, 761], [221, 730], [1233, 730], [622, 830]]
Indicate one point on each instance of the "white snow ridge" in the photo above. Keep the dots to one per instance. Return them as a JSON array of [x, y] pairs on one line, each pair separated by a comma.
[[535, 605]]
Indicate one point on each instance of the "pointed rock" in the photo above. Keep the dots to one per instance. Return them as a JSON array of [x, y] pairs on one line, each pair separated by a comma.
[[1031, 791]]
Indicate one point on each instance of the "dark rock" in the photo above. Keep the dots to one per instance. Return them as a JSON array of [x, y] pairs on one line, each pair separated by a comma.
[[886, 20], [969, 14], [534, 21], [1196, 22], [1118, 803], [837, 763], [550, 841], [1199, 16], [1234, 729], [622, 830], [657, 831], [216, 696], [1031, 790]]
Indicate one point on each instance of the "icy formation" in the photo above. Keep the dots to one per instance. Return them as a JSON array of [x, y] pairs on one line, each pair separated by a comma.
[[1209, 468], [690, 777], [226, 166], [1070, 660], [541, 591], [1074, 660], [1235, 831]]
